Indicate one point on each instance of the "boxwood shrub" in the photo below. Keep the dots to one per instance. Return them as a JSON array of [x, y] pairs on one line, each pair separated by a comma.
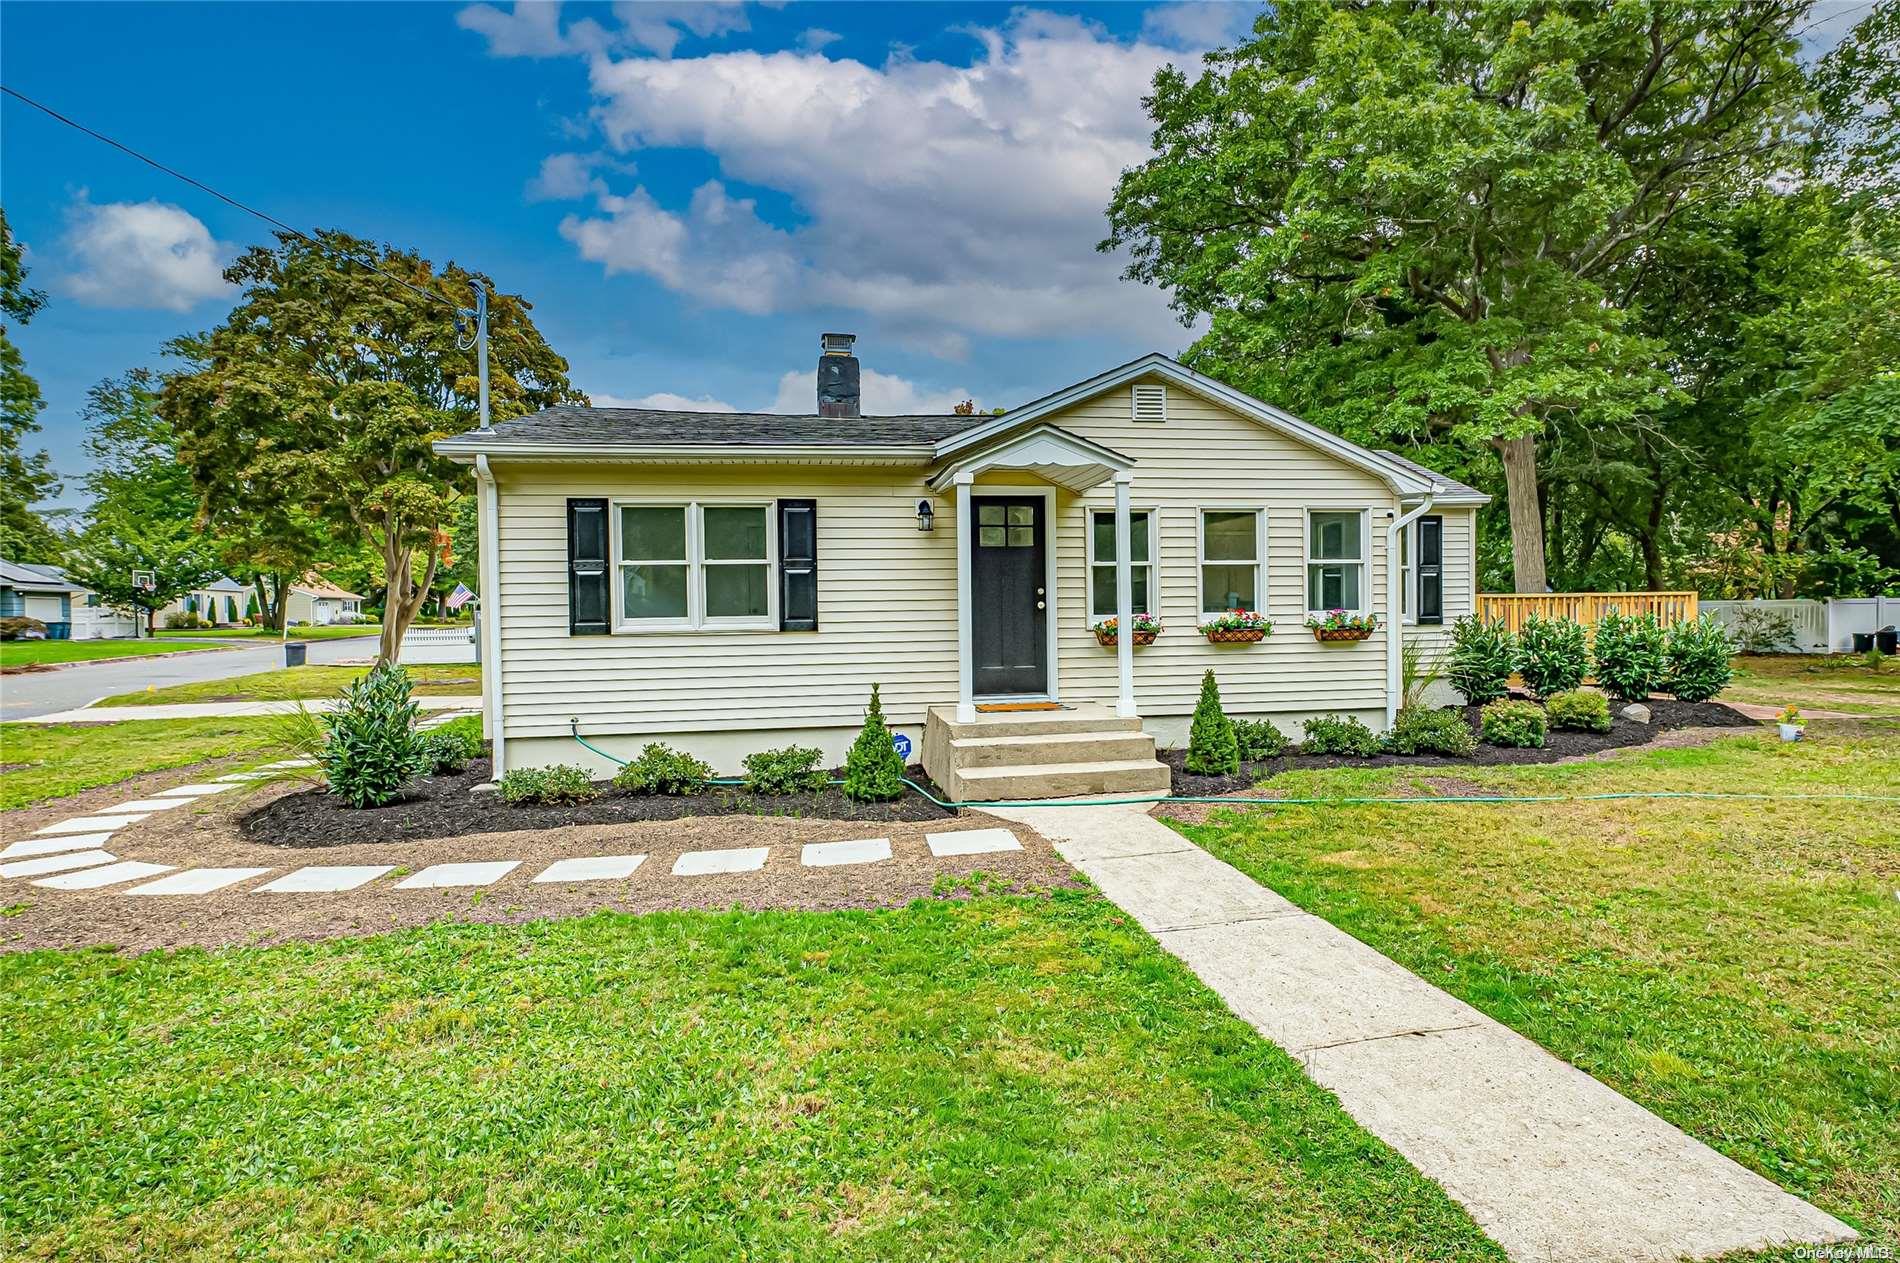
[[1553, 654], [791, 770], [1425, 730], [1482, 657], [1259, 739], [562, 783], [660, 769], [1339, 734], [1630, 655], [1513, 723], [1699, 653], [1580, 710]]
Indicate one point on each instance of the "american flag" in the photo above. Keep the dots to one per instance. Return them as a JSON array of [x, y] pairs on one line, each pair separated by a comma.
[[459, 597]]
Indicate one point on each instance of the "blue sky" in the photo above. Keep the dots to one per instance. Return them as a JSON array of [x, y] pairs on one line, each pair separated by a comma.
[[688, 194]]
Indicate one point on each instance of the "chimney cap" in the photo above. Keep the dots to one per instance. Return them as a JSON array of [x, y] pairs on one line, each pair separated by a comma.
[[836, 343]]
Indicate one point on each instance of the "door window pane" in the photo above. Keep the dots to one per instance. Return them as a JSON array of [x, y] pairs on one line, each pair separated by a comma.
[[651, 533], [736, 591], [1229, 537], [989, 536], [650, 591], [1335, 537], [989, 515], [735, 533], [1022, 514], [1022, 537]]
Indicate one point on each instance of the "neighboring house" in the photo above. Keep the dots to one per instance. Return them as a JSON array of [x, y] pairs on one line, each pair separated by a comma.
[[222, 601], [317, 603], [70, 610], [733, 582]]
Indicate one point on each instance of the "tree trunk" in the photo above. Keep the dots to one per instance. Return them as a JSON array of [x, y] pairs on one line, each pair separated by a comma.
[[401, 598], [1527, 518]]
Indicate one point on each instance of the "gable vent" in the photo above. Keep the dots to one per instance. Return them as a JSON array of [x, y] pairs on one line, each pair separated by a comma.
[[1151, 403]]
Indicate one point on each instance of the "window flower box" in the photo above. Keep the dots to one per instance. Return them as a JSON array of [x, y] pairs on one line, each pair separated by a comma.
[[1338, 626], [1237, 627], [1146, 628]]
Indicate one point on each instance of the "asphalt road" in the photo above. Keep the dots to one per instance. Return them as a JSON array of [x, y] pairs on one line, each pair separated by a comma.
[[42, 692]]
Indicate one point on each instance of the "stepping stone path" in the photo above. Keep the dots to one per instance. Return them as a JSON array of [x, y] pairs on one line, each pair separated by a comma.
[[59, 842], [592, 868], [326, 878], [197, 881], [91, 824], [110, 875], [745, 859], [458, 875], [56, 863], [827, 854], [972, 842]]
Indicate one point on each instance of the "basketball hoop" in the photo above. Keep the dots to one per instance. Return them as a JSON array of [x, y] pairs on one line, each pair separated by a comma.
[[145, 580]]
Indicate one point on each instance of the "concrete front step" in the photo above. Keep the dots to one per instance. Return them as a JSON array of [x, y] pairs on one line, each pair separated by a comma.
[[1062, 780], [970, 753], [1034, 723]]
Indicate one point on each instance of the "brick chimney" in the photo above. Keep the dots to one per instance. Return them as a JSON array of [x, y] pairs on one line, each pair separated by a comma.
[[837, 375]]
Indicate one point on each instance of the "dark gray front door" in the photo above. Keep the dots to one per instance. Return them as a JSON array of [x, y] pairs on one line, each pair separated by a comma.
[[1009, 607]]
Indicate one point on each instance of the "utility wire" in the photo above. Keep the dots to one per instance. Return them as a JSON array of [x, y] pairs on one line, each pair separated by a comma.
[[200, 185]]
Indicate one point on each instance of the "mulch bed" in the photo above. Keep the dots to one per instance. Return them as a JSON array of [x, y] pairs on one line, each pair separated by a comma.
[[447, 806], [1666, 714]]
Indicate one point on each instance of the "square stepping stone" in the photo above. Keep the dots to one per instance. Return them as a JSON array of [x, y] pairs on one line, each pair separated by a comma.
[[196, 791], [235, 777], [323, 878], [148, 804], [58, 842], [56, 863], [972, 842], [292, 763], [435, 875], [110, 875], [197, 881], [91, 824], [744, 859], [857, 851], [591, 868]]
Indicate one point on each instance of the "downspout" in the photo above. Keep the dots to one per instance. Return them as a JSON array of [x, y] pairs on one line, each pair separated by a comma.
[[1394, 615], [488, 538]]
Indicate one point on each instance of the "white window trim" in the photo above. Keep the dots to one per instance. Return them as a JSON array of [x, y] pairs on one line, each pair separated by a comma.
[[696, 563], [1153, 563], [1364, 561], [1408, 574], [1201, 562]]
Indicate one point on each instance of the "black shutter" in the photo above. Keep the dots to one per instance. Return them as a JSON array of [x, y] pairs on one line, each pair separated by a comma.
[[798, 565], [1431, 569], [588, 608]]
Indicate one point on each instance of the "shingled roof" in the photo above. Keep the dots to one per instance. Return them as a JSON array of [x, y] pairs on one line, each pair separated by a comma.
[[567, 425], [1441, 486]]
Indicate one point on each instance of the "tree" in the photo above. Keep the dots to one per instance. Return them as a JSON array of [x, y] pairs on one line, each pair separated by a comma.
[[329, 382], [26, 478], [1415, 220]]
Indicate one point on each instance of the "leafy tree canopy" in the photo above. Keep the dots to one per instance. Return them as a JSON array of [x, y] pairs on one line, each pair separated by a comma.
[[26, 478]]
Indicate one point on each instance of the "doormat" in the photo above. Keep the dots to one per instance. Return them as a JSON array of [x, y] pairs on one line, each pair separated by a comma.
[[1001, 708]]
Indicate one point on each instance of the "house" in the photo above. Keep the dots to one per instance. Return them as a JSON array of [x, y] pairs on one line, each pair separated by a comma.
[[222, 601], [316, 602], [69, 609], [733, 582]]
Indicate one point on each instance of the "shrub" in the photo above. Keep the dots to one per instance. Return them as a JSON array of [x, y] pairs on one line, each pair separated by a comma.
[[1339, 734], [1258, 739], [1631, 661], [1513, 723], [660, 769], [562, 783], [448, 750], [1553, 654], [1699, 653], [1212, 750], [1423, 730], [1482, 658], [792, 770], [1764, 631], [18, 626], [1580, 710], [873, 770], [372, 749]]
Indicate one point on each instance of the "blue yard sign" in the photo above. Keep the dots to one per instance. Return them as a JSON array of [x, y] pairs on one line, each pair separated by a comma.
[[901, 744]]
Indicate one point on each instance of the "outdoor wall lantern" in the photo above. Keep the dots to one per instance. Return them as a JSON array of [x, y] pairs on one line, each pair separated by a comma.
[[926, 516]]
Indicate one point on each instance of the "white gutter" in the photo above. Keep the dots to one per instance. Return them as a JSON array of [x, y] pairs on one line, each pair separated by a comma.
[[488, 539], [461, 448], [1394, 615]]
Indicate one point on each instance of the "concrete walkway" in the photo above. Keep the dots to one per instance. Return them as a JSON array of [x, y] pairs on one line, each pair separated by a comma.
[[1552, 1164], [77, 684], [225, 710]]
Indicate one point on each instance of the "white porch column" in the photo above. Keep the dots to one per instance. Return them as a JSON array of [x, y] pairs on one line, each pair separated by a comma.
[[1124, 599], [966, 672]]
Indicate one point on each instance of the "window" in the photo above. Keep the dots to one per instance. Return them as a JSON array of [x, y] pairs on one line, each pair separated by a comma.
[[1141, 560], [1231, 553], [695, 565], [1335, 561], [1406, 580]]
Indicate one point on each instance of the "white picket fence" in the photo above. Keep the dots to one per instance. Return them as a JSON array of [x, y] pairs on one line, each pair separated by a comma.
[[437, 644], [1819, 626]]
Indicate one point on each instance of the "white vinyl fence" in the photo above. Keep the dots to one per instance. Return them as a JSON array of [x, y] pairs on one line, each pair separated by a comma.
[[437, 644], [1816, 626]]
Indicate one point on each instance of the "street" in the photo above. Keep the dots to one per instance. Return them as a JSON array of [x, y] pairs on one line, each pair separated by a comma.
[[42, 692]]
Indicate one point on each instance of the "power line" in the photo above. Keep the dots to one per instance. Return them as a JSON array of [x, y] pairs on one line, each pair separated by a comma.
[[200, 185]]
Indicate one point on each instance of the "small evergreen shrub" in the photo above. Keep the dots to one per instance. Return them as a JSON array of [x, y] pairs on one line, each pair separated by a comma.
[[534, 786], [1424, 730], [1339, 734], [371, 749], [1513, 723], [792, 770], [873, 770], [1481, 659], [1699, 652], [1630, 655], [1579, 710], [660, 769], [449, 749], [1258, 739], [1212, 750], [1553, 654]]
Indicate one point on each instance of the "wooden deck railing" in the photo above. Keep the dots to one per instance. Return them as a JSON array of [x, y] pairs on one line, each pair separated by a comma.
[[1584, 607]]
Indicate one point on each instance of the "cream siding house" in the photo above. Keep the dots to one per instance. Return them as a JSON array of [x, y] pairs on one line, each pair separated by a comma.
[[729, 583]]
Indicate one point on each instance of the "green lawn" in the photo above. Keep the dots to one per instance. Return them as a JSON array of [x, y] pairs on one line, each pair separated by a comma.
[[1730, 965], [266, 633], [302, 682], [41, 761], [999, 1079], [1839, 682], [16, 653]]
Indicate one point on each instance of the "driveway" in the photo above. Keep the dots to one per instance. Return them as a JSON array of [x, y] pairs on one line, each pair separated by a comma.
[[43, 692]]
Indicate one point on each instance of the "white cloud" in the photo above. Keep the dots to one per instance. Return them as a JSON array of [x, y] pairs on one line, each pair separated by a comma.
[[718, 251], [880, 395], [142, 255], [816, 38], [532, 28], [1199, 24], [567, 177], [665, 400], [659, 27]]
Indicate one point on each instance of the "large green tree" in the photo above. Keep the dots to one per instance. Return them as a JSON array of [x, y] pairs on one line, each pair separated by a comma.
[[1414, 220], [329, 381], [26, 478]]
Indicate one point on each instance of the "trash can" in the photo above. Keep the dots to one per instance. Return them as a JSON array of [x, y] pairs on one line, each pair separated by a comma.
[[1888, 639], [293, 653], [1863, 642]]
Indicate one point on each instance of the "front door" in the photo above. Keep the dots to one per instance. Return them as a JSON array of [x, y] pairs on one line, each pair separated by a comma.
[[1009, 605]]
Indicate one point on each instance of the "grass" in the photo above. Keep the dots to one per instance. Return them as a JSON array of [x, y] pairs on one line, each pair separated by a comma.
[[267, 633], [1850, 683], [45, 761], [303, 682], [1730, 965], [993, 1079], [19, 653]]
